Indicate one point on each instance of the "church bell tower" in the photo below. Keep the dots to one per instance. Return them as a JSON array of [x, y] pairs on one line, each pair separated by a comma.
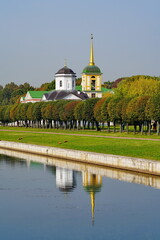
[[92, 77]]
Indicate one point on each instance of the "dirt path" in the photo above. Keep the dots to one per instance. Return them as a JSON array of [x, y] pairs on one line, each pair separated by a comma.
[[82, 135]]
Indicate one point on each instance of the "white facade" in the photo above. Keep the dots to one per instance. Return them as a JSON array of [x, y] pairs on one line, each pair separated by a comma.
[[65, 82], [64, 178]]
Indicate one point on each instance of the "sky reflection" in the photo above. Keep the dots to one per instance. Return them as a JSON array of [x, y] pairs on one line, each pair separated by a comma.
[[40, 201]]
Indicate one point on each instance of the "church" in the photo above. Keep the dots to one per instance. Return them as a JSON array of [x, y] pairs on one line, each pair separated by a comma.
[[65, 84], [92, 77]]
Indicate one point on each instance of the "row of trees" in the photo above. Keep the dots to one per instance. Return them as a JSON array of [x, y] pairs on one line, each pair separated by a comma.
[[135, 111], [136, 101], [11, 93]]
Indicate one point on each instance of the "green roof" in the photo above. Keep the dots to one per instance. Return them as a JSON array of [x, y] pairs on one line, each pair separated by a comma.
[[37, 94], [93, 69], [106, 90], [79, 88], [103, 90], [93, 188]]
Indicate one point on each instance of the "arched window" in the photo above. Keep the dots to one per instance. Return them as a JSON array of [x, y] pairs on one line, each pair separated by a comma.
[[60, 83]]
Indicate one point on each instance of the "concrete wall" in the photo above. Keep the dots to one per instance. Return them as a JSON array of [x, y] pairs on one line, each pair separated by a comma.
[[121, 162], [121, 175]]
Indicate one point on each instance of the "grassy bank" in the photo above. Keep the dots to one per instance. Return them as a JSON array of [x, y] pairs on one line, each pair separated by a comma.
[[125, 147], [86, 132]]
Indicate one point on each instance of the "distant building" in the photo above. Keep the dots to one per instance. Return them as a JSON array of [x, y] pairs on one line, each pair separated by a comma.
[[65, 80], [65, 179], [33, 96], [92, 77], [65, 84]]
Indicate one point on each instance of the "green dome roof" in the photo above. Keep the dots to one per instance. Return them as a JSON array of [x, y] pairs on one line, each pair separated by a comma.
[[93, 188], [93, 69]]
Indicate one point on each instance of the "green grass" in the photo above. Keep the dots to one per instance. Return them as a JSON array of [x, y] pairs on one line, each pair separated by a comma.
[[126, 147], [86, 132]]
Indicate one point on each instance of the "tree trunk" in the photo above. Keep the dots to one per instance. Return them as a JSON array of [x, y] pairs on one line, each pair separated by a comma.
[[127, 128], [108, 126], [142, 128], [121, 127], [149, 128], [114, 126], [135, 128], [97, 126], [158, 128]]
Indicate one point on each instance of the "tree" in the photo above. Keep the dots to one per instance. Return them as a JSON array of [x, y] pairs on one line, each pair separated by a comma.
[[78, 114], [98, 110], [131, 113], [29, 113], [7, 114], [88, 111], [2, 112], [69, 113], [37, 115], [13, 112], [153, 110], [112, 110], [137, 86], [140, 109], [78, 81]]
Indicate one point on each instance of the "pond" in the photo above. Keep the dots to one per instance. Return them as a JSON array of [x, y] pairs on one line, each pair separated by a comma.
[[65, 200]]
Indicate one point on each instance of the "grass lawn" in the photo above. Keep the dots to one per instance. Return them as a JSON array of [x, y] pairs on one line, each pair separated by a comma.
[[86, 132], [125, 147]]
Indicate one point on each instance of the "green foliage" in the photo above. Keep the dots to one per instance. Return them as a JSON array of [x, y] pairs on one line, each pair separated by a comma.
[[153, 108], [30, 111], [78, 81], [112, 108], [47, 86], [78, 112], [88, 110], [104, 109], [11, 93], [135, 100], [69, 110], [37, 115], [138, 86], [98, 110]]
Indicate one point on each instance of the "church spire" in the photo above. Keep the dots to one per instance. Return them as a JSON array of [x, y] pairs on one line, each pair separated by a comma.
[[65, 62], [91, 63], [92, 196]]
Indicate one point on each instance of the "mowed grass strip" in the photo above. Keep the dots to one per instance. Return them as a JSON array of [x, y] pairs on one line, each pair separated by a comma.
[[124, 147], [84, 132]]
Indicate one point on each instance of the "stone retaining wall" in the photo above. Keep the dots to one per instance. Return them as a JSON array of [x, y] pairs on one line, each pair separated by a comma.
[[121, 162]]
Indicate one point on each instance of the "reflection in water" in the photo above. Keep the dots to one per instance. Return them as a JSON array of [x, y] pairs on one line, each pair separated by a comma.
[[122, 175], [32, 207], [13, 162], [65, 179], [92, 183]]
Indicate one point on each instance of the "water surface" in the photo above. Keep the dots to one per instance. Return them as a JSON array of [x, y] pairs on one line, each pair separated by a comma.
[[71, 201]]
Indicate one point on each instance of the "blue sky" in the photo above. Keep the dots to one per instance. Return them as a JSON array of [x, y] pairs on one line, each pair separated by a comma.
[[37, 35]]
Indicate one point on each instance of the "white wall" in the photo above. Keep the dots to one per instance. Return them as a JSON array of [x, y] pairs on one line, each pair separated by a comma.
[[68, 81]]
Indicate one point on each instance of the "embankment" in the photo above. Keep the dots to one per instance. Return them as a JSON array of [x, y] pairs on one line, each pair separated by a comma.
[[120, 162]]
